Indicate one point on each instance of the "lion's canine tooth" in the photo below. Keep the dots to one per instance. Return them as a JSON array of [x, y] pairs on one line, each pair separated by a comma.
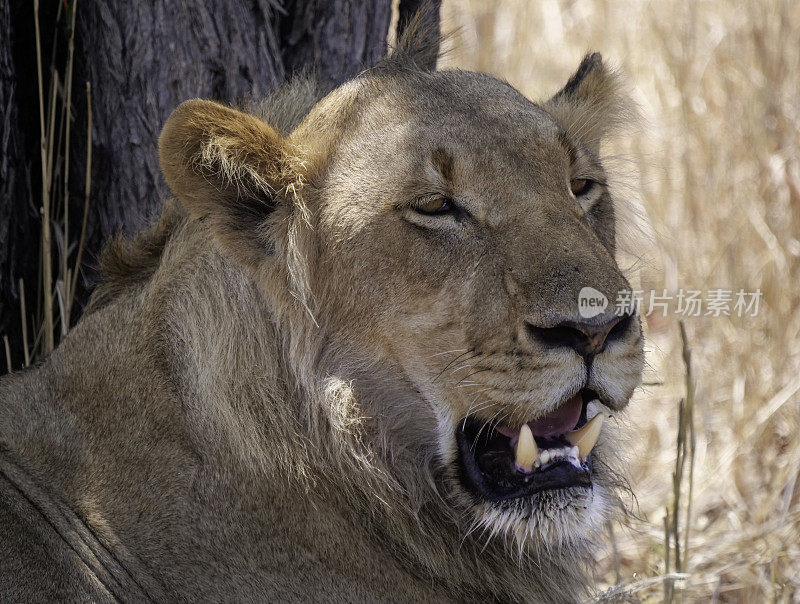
[[586, 437], [527, 451]]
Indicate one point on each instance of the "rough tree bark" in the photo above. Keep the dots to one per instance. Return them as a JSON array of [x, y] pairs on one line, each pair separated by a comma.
[[142, 59]]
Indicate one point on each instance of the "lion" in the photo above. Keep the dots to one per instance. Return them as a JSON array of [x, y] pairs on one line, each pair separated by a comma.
[[347, 363]]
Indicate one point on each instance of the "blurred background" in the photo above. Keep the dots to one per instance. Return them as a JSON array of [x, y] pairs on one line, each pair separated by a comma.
[[709, 193]]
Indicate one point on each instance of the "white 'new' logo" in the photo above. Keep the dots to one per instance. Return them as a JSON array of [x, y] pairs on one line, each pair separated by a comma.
[[591, 302]]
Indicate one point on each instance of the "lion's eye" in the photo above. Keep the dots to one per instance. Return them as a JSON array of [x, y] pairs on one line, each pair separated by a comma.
[[580, 186], [436, 206]]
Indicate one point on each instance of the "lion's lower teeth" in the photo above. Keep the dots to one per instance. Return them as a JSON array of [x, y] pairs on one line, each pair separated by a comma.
[[546, 456], [528, 457], [569, 454]]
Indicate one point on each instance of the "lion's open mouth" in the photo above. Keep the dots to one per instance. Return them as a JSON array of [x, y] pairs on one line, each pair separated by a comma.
[[551, 452]]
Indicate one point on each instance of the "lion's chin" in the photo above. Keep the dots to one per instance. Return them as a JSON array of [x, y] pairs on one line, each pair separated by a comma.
[[535, 483], [569, 518]]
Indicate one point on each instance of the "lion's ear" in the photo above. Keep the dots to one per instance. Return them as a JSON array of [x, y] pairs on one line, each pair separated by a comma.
[[228, 167], [592, 104], [419, 38]]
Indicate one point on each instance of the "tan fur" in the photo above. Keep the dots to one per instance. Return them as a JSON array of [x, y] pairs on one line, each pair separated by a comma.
[[262, 402]]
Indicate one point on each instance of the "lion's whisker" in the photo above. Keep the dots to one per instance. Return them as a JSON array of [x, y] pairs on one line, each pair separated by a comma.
[[450, 351], [453, 361], [471, 374]]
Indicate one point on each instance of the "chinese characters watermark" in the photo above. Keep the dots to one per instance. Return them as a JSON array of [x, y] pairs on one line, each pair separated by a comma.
[[689, 302]]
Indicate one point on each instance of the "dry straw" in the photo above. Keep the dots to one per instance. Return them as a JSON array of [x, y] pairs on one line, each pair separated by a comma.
[[55, 126]]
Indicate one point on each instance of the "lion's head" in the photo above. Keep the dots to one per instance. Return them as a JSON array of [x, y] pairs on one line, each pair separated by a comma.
[[423, 238]]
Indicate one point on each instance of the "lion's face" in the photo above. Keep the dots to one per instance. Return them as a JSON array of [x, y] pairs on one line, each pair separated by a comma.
[[453, 224], [457, 224]]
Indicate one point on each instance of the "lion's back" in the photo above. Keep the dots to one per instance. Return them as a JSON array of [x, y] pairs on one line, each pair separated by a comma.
[[46, 556]]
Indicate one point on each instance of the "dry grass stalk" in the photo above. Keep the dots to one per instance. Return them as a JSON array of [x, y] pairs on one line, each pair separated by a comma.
[[55, 142], [689, 424], [8, 353], [86, 191], [685, 449], [47, 243], [46, 139], [24, 320], [68, 122], [668, 580]]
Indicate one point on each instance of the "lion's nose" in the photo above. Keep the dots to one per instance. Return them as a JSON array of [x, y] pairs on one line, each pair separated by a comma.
[[587, 338]]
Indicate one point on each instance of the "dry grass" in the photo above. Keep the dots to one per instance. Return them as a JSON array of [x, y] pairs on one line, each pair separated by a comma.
[[717, 178], [54, 291]]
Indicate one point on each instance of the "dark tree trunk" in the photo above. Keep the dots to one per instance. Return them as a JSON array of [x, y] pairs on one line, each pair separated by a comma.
[[156, 54], [142, 59], [19, 251]]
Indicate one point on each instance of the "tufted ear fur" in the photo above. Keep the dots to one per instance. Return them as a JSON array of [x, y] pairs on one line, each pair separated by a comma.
[[419, 37], [592, 104], [230, 168]]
